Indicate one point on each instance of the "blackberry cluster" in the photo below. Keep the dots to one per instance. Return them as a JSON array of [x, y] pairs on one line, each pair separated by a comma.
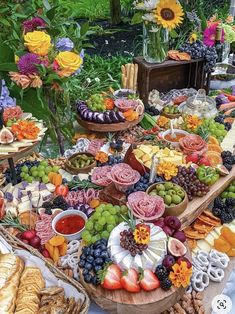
[[117, 145], [58, 202], [151, 110], [93, 259], [143, 183], [198, 50], [228, 160], [220, 119], [127, 242], [162, 274], [225, 210], [18, 167], [113, 159]]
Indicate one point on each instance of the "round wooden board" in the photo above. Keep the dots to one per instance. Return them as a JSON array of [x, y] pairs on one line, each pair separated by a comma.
[[121, 301], [102, 127], [20, 151]]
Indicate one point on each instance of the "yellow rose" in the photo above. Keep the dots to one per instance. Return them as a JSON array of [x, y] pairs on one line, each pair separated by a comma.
[[69, 62], [38, 42]]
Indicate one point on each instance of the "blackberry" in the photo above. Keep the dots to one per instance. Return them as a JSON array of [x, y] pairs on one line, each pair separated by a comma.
[[228, 166], [228, 160], [166, 284], [219, 203], [232, 212], [48, 211], [47, 205], [216, 212], [233, 159], [219, 119], [161, 272], [230, 201], [226, 153], [227, 126], [226, 217], [59, 202]]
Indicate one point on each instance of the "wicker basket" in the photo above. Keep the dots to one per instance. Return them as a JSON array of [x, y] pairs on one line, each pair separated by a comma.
[[17, 244]]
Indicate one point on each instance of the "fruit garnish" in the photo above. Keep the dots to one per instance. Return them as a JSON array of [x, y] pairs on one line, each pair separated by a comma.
[[172, 222], [168, 261], [180, 274], [142, 234], [102, 157], [110, 277], [62, 190], [148, 280], [25, 130], [129, 280], [176, 247]]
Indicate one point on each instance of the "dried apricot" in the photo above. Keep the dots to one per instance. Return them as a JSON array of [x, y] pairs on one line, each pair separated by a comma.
[[221, 245], [228, 235]]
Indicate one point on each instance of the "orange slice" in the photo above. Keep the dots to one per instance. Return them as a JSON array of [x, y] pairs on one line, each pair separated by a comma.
[[214, 158], [214, 148], [213, 140]]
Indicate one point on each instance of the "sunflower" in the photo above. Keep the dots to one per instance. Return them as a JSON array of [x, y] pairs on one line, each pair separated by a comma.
[[193, 37], [169, 14]]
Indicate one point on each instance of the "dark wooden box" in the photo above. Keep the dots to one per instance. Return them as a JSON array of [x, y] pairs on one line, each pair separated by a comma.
[[169, 75]]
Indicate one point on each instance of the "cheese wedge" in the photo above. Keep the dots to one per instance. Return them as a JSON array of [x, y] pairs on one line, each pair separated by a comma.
[[210, 239]]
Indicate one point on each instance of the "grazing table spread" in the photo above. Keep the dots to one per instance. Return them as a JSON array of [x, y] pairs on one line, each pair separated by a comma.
[[139, 214]]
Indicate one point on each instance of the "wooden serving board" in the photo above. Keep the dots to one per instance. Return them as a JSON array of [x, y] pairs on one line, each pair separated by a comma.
[[199, 204], [21, 150], [121, 301], [113, 127]]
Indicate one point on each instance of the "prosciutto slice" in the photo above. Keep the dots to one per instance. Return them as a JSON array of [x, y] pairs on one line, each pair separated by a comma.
[[192, 143], [145, 206], [99, 176]]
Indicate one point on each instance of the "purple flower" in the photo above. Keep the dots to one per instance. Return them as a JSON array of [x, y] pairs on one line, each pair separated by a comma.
[[27, 63], [31, 25], [64, 44], [5, 99], [209, 35]]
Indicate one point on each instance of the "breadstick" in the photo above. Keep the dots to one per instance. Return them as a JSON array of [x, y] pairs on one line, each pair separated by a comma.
[[128, 69], [136, 77], [123, 80], [123, 70], [125, 83], [132, 73]]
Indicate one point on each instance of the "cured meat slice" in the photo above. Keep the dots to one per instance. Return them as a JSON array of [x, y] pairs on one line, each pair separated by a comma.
[[126, 104], [95, 146], [145, 206], [44, 228], [74, 198], [192, 143], [99, 176]]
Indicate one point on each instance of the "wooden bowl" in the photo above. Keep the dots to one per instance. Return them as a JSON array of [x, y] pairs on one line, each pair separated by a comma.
[[73, 170], [173, 210]]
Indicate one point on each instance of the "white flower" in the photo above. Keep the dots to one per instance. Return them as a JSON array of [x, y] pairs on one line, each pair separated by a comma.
[[150, 17], [97, 79], [88, 80], [147, 5], [106, 42]]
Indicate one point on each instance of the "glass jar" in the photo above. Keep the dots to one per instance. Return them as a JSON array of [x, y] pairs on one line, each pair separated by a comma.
[[155, 43]]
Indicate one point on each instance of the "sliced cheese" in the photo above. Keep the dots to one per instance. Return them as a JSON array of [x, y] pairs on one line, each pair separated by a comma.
[[210, 239], [23, 207], [8, 149], [203, 245]]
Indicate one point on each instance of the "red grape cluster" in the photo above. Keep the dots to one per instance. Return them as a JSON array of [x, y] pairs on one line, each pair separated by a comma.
[[127, 242], [188, 180]]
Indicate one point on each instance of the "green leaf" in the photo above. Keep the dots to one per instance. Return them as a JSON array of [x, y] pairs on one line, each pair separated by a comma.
[[137, 18], [174, 34], [46, 4], [84, 28], [6, 54], [5, 22], [51, 13], [8, 67]]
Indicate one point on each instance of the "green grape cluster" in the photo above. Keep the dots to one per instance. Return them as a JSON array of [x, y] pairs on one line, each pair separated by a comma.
[[38, 173], [103, 221], [96, 103], [215, 129]]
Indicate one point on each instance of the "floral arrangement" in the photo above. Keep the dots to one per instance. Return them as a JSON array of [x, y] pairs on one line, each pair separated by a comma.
[[164, 13], [228, 30]]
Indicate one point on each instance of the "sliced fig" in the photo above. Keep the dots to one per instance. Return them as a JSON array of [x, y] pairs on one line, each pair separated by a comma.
[[179, 235], [6, 137], [223, 171], [176, 248]]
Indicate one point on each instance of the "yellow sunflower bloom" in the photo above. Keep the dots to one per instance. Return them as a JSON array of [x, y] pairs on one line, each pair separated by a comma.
[[192, 38], [169, 14]]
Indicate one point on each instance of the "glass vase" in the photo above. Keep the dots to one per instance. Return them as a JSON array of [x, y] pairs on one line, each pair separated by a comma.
[[155, 43]]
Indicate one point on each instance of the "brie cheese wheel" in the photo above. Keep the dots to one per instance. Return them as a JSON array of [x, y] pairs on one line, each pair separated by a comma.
[[203, 245]]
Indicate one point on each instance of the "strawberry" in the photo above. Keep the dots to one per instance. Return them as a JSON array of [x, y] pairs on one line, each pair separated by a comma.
[[129, 280], [110, 277], [61, 190], [148, 280], [192, 158], [204, 161]]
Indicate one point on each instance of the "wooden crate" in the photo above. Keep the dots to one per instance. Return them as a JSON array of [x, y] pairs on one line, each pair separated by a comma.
[[169, 75]]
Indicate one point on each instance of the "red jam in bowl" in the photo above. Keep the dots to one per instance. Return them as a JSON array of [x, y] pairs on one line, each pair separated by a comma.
[[70, 224]]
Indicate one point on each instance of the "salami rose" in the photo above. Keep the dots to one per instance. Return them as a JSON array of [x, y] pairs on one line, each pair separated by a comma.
[[145, 206], [126, 104], [123, 176], [99, 176], [192, 143]]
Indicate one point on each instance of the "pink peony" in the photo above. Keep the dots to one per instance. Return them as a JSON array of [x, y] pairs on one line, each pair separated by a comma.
[[27, 63], [31, 25], [209, 35]]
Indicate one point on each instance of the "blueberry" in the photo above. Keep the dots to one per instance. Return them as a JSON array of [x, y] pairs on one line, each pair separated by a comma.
[[108, 260], [81, 263], [85, 272], [90, 259], [83, 257], [97, 253], [146, 175], [99, 261], [104, 254], [95, 281], [64, 181], [103, 247], [92, 252], [88, 278], [88, 266], [97, 268]]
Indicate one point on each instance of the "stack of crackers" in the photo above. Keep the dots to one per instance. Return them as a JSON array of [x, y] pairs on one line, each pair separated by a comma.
[[201, 227], [28, 296], [53, 300]]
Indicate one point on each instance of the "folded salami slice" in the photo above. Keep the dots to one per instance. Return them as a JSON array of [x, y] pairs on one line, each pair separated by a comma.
[[192, 143], [99, 176], [145, 206]]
